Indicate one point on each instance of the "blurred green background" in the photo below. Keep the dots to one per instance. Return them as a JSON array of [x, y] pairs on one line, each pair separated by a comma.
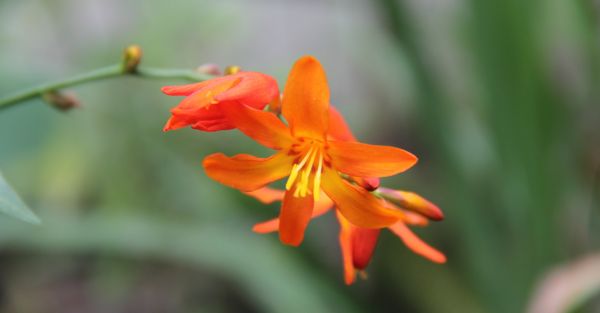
[[499, 99]]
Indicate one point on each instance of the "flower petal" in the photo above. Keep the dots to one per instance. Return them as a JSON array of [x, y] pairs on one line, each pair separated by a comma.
[[266, 195], [294, 217], [415, 219], [213, 125], [254, 89], [338, 128], [262, 126], [186, 90], [208, 117], [305, 103], [345, 238], [364, 241], [357, 205], [174, 123], [246, 172], [203, 98], [266, 227], [364, 160], [416, 244], [321, 207]]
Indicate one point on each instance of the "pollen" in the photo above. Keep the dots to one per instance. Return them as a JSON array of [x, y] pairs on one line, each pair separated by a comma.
[[303, 171]]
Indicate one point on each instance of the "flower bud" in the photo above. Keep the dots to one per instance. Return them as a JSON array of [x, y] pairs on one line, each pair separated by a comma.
[[61, 101], [232, 69], [364, 241], [132, 56], [209, 68], [413, 202]]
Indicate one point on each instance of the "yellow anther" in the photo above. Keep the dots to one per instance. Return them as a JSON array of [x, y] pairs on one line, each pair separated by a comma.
[[296, 169]]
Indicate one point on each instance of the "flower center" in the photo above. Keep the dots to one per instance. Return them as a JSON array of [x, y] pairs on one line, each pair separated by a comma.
[[308, 169]]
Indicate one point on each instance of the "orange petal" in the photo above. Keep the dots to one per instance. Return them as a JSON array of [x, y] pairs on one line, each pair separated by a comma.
[[363, 160], [364, 241], [262, 126], [175, 123], [186, 90], [415, 219], [338, 128], [246, 172], [357, 205], [254, 89], [266, 195], [416, 244], [203, 98], [305, 103], [269, 226], [213, 125], [345, 239], [183, 118], [294, 217], [321, 207]]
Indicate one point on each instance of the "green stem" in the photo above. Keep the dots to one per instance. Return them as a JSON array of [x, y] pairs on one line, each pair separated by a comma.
[[100, 74]]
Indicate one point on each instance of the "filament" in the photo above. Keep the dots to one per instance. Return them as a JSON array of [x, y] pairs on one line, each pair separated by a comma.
[[296, 169], [317, 182]]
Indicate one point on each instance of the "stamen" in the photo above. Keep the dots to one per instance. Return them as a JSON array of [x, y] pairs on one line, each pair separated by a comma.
[[306, 173], [317, 181], [296, 168], [293, 174], [297, 192]]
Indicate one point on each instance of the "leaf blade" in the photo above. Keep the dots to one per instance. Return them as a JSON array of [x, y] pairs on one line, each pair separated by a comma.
[[12, 205]]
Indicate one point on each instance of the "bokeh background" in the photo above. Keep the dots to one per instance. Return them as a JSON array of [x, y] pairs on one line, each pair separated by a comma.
[[499, 99]]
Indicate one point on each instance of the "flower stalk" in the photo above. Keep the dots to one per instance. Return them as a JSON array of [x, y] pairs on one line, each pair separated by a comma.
[[129, 67]]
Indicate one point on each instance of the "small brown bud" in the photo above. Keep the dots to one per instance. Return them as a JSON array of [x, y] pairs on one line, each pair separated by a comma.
[[209, 68], [61, 101]]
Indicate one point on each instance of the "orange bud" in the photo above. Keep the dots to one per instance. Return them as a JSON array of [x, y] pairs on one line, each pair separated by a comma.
[[364, 241], [413, 202]]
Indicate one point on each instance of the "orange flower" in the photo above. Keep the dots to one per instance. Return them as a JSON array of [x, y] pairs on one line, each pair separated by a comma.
[[202, 107], [308, 156], [358, 244]]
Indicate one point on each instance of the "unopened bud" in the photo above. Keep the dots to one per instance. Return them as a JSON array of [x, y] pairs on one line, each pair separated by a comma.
[[61, 101], [412, 202], [132, 56], [232, 69], [369, 183], [364, 241], [209, 68]]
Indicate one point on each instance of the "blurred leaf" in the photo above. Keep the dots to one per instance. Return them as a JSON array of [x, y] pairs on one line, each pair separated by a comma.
[[567, 287], [264, 269], [11, 204]]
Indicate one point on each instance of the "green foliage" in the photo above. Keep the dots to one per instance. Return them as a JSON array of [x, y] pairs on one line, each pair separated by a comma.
[[11, 204]]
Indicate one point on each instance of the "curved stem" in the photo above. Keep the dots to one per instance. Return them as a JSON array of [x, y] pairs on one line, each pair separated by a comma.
[[100, 74]]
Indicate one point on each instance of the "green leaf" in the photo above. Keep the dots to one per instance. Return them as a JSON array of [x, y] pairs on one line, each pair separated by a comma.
[[11, 204]]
